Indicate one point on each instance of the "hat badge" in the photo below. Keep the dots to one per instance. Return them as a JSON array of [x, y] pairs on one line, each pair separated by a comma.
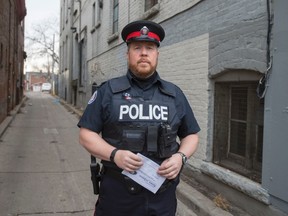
[[144, 31]]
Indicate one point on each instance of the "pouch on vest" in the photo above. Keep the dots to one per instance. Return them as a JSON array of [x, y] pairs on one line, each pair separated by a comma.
[[166, 141], [134, 140]]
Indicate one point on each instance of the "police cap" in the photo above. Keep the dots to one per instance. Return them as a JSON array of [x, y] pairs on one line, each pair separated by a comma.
[[143, 30]]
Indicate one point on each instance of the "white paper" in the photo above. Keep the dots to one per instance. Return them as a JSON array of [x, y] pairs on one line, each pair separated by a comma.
[[147, 175]]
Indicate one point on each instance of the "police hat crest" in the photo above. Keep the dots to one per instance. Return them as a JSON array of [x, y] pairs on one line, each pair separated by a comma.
[[143, 30]]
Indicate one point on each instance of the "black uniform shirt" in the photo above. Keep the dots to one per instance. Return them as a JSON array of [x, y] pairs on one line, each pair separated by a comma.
[[98, 110]]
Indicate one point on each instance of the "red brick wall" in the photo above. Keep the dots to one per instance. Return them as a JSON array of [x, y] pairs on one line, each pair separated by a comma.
[[11, 55]]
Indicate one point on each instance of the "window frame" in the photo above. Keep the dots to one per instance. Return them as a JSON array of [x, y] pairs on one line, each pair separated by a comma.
[[115, 17], [248, 164]]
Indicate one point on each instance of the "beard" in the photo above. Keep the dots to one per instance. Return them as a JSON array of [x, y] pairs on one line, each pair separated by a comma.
[[142, 69]]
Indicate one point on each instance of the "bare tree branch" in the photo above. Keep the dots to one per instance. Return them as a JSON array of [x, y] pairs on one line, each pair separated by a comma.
[[43, 40]]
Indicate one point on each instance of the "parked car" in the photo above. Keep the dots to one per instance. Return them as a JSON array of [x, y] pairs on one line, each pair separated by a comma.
[[46, 87]]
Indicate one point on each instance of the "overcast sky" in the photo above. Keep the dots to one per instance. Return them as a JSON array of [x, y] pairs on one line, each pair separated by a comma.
[[39, 11]]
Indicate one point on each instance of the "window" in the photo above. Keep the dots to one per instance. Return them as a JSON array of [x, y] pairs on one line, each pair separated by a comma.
[[82, 61], [238, 128], [150, 3], [238, 120], [115, 16], [96, 15], [66, 10], [99, 10]]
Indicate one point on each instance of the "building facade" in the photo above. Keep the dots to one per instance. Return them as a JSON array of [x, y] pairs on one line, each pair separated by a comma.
[[216, 51], [12, 55], [34, 80]]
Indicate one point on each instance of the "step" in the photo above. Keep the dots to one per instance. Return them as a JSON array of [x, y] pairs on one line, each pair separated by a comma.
[[196, 202], [182, 210]]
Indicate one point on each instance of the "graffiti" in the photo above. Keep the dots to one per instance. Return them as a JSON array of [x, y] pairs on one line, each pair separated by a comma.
[[95, 70]]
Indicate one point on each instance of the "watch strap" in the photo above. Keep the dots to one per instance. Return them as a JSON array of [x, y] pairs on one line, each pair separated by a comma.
[[112, 155], [184, 157]]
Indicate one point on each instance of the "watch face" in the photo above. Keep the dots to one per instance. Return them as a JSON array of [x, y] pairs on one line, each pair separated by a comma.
[[184, 159]]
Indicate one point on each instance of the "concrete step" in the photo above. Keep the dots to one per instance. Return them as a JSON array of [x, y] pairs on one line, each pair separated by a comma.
[[194, 201], [182, 210], [206, 197]]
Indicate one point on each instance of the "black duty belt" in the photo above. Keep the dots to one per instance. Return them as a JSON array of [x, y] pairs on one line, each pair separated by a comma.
[[131, 185]]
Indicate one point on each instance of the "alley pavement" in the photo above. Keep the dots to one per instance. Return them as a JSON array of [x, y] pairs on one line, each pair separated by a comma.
[[43, 169]]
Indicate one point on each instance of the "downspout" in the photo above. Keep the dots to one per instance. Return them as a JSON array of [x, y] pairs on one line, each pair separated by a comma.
[[263, 82]]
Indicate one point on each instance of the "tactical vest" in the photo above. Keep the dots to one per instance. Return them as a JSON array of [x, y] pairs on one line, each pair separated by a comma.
[[146, 126]]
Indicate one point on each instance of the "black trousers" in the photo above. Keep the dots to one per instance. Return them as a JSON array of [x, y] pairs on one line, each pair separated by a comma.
[[115, 200]]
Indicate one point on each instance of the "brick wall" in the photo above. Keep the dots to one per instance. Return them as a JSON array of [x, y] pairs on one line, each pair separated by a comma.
[[186, 65], [4, 59], [11, 55]]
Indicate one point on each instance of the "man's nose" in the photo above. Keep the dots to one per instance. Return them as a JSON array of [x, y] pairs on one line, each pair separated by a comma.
[[144, 51]]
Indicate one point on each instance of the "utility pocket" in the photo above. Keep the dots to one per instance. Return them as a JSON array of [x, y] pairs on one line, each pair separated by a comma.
[[132, 186], [166, 141], [134, 140]]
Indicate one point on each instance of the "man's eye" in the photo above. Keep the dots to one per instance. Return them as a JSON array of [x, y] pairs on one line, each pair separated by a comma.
[[150, 47]]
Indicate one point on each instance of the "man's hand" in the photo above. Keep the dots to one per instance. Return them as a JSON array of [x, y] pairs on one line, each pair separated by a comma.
[[127, 160], [171, 167]]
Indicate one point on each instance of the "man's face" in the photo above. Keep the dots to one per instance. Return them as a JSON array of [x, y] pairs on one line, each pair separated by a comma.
[[142, 58]]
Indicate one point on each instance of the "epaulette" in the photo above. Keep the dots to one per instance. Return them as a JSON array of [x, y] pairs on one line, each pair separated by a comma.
[[167, 88], [119, 84], [103, 83]]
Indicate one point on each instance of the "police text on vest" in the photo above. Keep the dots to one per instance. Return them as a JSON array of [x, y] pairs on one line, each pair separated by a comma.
[[136, 112]]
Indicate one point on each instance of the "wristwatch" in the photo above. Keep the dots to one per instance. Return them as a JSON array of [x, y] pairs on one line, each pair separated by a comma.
[[184, 158]]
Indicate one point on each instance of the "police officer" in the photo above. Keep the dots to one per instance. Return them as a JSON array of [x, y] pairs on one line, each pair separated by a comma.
[[139, 113]]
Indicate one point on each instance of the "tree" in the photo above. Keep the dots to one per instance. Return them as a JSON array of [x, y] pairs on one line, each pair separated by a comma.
[[42, 45]]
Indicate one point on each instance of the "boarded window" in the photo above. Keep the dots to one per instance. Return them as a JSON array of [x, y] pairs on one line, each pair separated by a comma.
[[238, 120], [238, 128]]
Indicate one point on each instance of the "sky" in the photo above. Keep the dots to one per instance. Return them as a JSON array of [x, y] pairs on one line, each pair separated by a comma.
[[37, 12]]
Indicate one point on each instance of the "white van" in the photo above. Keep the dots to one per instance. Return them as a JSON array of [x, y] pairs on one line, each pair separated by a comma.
[[46, 87]]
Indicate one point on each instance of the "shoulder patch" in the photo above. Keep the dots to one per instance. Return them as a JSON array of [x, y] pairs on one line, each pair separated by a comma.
[[93, 98]]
